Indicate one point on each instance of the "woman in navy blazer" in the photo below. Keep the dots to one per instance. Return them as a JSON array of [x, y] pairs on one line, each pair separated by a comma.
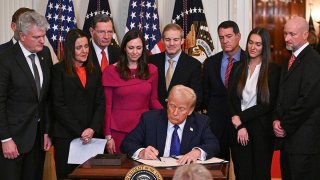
[[253, 90], [78, 99]]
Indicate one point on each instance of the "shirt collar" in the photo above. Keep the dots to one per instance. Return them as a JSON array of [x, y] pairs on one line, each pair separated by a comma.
[[236, 56], [14, 41], [25, 52], [298, 51], [175, 59], [97, 49], [181, 126]]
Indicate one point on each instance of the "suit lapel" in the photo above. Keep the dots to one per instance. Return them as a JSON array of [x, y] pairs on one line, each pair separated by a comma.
[[162, 135], [22, 62], [45, 74], [161, 70], [295, 64], [180, 68], [90, 80], [187, 133], [217, 70], [94, 58]]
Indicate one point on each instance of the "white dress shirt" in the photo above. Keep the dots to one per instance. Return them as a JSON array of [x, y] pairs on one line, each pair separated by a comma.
[[249, 93], [98, 52]]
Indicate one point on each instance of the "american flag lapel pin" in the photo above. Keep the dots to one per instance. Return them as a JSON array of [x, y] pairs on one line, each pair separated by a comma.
[[191, 129]]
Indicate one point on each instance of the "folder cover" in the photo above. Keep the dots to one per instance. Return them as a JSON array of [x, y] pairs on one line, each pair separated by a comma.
[[107, 159]]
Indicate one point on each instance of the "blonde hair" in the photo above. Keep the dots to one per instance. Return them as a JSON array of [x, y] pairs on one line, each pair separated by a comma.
[[186, 92], [192, 172], [173, 26]]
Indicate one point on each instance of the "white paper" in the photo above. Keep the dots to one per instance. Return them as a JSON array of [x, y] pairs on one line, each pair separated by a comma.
[[169, 162], [79, 153]]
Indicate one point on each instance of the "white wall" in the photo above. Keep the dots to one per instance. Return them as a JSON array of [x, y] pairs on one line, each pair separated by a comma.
[[216, 12]]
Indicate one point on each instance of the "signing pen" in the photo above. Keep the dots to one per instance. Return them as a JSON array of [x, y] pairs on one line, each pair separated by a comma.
[[158, 157], [174, 157]]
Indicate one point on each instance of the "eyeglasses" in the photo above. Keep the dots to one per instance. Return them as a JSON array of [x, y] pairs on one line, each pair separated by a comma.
[[102, 32]]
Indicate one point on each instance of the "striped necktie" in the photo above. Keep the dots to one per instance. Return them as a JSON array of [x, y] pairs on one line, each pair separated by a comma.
[[228, 70]]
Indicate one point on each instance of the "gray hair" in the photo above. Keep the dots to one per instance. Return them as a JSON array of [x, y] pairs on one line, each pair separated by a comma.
[[100, 18], [192, 172], [29, 19]]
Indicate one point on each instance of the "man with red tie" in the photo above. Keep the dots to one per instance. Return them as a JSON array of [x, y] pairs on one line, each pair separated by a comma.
[[297, 118], [216, 71], [101, 52]]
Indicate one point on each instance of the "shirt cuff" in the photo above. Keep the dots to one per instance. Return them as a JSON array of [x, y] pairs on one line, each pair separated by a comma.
[[6, 140], [203, 154], [135, 155]]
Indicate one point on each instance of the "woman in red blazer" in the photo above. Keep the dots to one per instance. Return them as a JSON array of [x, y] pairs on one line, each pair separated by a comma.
[[130, 88]]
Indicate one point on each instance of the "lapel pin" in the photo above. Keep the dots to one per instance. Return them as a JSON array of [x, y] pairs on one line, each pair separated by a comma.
[[41, 58], [191, 129]]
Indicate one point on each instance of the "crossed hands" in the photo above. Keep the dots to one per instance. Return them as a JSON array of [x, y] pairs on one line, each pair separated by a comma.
[[277, 129]]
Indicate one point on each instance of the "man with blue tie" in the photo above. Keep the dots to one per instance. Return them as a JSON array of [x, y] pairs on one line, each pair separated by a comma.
[[173, 132]]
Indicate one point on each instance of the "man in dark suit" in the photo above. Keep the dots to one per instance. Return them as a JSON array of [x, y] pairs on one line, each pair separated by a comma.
[[14, 21], [177, 131], [297, 115], [185, 70], [101, 31], [24, 85], [215, 70]]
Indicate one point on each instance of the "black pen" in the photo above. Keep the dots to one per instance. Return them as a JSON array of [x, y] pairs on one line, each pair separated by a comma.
[[158, 157], [174, 157]]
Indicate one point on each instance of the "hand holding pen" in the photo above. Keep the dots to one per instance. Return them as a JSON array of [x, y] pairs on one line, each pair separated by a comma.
[[149, 153]]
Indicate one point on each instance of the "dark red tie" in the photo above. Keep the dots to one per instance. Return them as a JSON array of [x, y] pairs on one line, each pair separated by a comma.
[[291, 60], [104, 61], [228, 70]]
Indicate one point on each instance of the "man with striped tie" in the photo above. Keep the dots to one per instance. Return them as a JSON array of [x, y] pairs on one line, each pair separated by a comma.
[[216, 71]]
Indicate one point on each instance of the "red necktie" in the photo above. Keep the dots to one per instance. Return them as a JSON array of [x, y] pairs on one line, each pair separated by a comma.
[[104, 61], [291, 60], [228, 70]]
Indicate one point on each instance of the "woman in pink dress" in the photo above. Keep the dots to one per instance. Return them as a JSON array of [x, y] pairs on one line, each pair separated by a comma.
[[130, 88]]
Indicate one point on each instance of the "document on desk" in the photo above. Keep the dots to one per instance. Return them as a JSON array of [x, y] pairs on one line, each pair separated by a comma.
[[169, 162], [79, 153]]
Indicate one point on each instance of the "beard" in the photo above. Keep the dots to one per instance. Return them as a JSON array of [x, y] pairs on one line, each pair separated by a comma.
[[290, 48]]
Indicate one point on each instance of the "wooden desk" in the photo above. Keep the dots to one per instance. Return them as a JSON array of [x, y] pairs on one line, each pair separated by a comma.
[[88, 171]]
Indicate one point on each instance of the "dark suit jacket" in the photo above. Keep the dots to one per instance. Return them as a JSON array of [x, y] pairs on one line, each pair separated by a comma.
[[20, 108], [187, 72], [6, 45], [298, 106], [152, 131], [215, 95], [75, 107], [114, 55], [259, 114]]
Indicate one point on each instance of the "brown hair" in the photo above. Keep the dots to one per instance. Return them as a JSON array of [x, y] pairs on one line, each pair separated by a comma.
[[69, 49], [122, 65], [263, 94], [18, 12]]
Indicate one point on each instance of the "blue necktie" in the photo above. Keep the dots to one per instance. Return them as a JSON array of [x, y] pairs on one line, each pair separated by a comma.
[[175, 142]]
